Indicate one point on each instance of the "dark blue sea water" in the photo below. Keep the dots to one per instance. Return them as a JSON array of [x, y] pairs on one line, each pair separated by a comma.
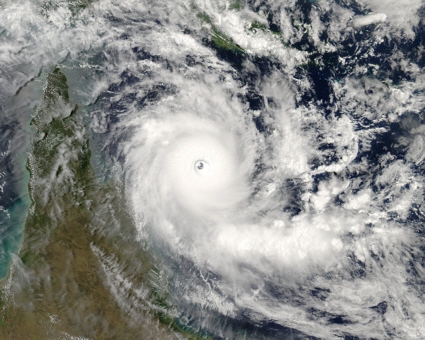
[[328, 115], [14, 200]]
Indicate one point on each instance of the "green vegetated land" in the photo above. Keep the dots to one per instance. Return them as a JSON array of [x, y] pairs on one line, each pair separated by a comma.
[[222, 42], [218, 38], [75, 6], [76, 228]]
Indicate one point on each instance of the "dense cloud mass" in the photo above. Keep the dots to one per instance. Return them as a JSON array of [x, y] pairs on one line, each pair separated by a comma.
[[271, 153]]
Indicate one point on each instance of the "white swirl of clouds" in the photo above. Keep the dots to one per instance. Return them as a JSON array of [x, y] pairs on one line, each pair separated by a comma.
[[205, 186], [187, 174], [346, 261]]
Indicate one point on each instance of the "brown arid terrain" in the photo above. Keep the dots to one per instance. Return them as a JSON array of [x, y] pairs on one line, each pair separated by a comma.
[[58, 287]]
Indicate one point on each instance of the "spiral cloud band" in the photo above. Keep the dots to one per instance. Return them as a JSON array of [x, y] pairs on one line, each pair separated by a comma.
[[262, 207], [192, 170], [204, 184], [207, 188], [272, 155], [203, 171]]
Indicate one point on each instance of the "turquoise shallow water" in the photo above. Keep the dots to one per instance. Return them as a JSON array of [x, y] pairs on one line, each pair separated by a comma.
[[312, 217], [12, 227], [14, 198], [15, 137]]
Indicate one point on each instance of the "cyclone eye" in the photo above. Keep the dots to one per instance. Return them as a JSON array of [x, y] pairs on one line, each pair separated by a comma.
[[201, 167]]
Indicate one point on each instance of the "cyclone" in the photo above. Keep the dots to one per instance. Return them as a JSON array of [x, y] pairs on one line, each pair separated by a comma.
[[211, 195], [227, 169], [273, 203], [188, 171]]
